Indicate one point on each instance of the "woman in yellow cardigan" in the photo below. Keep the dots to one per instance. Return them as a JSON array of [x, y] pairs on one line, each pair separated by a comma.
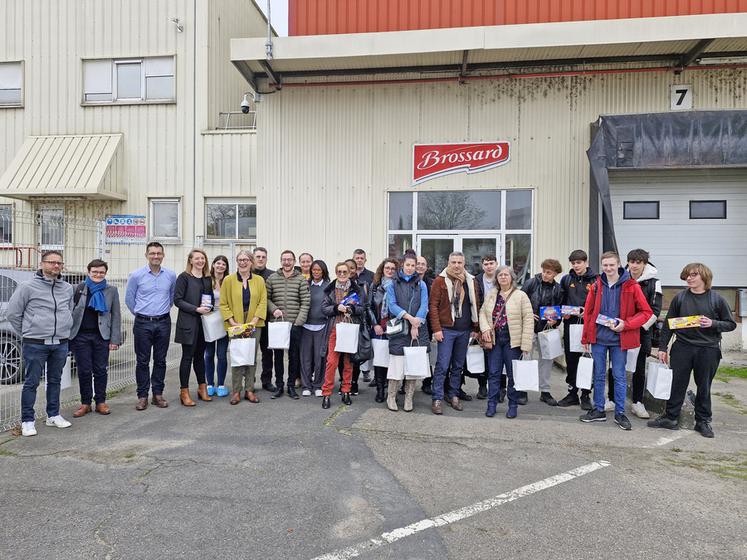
[[243, 300], [507, 326]]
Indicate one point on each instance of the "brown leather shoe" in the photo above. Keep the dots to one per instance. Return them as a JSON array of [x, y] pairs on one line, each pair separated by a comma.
[[103, 408], [455, 404], [251, 397], [202, 392], [82, 410], [142, 404], [185, 398], [437, 407], [235, 398], [159, 401]]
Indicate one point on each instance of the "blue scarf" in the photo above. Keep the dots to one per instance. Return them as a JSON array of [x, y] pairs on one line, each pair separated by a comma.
[[96, 290]]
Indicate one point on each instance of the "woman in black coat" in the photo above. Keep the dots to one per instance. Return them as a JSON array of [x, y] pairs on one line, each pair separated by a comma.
[[193, 295], [335, 311]]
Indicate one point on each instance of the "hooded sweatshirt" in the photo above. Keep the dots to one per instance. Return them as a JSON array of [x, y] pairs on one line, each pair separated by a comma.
[[611, 307], [42, 309], [651, 288]]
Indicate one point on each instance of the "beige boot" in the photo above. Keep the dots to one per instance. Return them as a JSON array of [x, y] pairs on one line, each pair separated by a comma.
[[391, 398], [409, 392]]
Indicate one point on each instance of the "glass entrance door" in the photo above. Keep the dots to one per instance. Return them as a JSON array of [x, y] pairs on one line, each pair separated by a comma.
[[436, 249]]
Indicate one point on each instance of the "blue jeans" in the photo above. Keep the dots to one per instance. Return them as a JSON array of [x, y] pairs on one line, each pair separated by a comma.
[[500, 356], [617, 357], [35, 358], [151, 336], [451, 355], [92, 358], [218, 347]]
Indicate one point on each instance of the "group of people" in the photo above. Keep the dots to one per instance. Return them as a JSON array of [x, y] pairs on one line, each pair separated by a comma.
[[402, 303]]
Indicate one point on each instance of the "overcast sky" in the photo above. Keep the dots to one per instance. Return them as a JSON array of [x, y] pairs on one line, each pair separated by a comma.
[[279, 15]]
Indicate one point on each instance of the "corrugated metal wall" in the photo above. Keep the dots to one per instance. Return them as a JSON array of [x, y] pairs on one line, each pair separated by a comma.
[[327, 156], [319, 17]]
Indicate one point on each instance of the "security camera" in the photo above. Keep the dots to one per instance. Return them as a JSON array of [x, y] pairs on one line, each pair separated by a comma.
[[245, 106]]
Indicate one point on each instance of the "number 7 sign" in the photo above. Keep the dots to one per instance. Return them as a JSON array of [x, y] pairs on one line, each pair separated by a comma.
[[681, 97]]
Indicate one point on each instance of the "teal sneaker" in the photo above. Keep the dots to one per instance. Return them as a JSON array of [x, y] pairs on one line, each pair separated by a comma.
[[222, 391], [211, 391]]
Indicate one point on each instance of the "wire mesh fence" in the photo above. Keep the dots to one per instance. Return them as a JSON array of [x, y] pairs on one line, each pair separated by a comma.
[[24, 236]]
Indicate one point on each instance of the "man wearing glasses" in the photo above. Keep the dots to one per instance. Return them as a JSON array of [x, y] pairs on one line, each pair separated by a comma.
[[288, 299], [149, 297], [40, 311]]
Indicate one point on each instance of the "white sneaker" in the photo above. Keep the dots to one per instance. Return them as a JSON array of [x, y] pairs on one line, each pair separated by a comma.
[[58, 421], [305, 393], [640, 410], [28, 429], [318, 392], [609, 406]]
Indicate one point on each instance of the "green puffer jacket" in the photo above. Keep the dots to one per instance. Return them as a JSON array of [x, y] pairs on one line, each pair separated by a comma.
[[290, 295]]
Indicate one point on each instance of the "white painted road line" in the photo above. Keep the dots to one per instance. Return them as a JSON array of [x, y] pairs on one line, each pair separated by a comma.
[[462, 513], [668, 439]]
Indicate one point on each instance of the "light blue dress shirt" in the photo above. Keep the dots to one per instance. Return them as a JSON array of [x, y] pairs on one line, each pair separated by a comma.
[[150, 294]]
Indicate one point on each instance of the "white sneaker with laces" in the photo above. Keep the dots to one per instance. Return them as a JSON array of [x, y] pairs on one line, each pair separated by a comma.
[[609, 406], [58, 421], [640, 410], [28, 429], [305, 393], [318, 392]]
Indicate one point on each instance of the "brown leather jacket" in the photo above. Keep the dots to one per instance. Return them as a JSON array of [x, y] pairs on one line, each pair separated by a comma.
[[439, 304]]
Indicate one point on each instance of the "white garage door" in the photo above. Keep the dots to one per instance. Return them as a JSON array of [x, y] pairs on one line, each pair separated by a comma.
[[682, 217]]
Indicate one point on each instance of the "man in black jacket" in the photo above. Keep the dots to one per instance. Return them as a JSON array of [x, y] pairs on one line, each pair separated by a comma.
[[260, 268], [485, 281], [574, 287]]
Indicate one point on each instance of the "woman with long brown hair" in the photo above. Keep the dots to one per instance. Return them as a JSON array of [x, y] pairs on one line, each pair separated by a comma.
[[378, 311], [193, 295]]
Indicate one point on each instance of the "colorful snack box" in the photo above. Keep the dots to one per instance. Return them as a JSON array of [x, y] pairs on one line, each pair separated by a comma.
[[685, 322], [608, 322], [571, 310], [241, 331], [550, 312]]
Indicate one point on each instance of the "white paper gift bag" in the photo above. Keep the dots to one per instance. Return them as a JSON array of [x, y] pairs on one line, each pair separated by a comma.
[[632, 359], [381, 352], [575, 333], [279, 335], [213, 326], [416, 362], [526, 375], [659, 381], [347, 337], [585, 372], [366, 366], [243, 351], [475, 359], [551, 346], [66, 379]]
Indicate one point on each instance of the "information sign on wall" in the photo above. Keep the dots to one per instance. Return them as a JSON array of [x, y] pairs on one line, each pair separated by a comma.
[[124, 229], [436, 160]]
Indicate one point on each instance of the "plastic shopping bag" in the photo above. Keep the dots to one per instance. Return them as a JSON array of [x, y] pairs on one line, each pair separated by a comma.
[[632, 359], [243, 351], [576, 331], [659, 380], [346, 337], [585, 372], [526, 375], [475, 359], [279, 335], [416, 362], [213, 326], [381, 352], [550, 344]]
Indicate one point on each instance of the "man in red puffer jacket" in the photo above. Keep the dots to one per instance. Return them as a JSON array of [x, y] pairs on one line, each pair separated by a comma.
[[618, 297]]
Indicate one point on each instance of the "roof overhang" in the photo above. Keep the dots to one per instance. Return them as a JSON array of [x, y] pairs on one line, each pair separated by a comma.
[[88, 166], [677, 41]]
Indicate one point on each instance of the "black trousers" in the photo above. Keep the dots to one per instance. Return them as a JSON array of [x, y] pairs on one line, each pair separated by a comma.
[[703, 363], [266, 376], [193, 355], [294, 359], [92, 358]]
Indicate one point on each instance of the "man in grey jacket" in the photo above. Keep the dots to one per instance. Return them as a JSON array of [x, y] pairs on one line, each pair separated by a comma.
[[40, 311]]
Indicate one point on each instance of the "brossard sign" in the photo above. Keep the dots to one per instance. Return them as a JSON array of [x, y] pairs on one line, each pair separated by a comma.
[[436, 160]]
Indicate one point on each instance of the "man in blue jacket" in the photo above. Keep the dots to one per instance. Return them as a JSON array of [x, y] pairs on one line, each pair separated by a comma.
[[40, 311]]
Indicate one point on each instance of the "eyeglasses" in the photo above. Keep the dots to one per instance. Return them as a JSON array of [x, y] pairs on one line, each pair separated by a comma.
[[390, 268], [693, 274], [243, 260], [342, 272], [98, 272], [54, 263]]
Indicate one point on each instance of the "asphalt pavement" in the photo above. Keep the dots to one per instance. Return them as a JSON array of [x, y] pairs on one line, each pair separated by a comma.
[[287, 479]]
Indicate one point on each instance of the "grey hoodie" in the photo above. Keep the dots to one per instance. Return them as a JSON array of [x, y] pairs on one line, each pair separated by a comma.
[[42, 309]]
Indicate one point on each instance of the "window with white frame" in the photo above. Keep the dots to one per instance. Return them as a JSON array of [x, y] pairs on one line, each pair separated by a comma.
[[11, 84], [230, 219], [165, 219], [6, 223], [129, 80]]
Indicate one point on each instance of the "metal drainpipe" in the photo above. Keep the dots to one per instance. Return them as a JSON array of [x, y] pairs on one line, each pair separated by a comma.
[[268, 44], [194, 117]]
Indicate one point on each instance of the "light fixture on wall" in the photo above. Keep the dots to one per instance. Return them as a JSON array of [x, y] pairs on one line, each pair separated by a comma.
[[178, 24], [716, 60]]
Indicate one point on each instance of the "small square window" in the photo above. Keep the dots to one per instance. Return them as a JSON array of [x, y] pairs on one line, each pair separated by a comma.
[[641, 210], [11, 84], [164, 218], [707, 209], [230, 219]]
